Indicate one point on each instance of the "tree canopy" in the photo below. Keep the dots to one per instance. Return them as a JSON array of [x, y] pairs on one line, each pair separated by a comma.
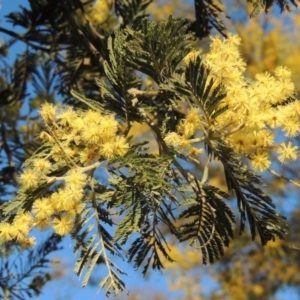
[[134, 133]]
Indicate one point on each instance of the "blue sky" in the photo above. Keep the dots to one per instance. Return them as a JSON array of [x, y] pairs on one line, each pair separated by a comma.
[[69, 286]]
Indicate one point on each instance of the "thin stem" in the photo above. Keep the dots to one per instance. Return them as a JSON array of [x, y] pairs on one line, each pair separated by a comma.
[[283, 177]]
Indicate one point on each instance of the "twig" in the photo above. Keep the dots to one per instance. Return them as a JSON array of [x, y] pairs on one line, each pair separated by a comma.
[[283, 177]]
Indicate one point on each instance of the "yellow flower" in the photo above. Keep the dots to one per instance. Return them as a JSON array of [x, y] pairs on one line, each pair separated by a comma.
[[266, 137], [108, 128], [66, 117], [264, 78], [91, 134], [78, 124], [92, 116], [7, 231], [172, 139], [240, 142], [73, 195], [291, 127], [88, 155], [287, 152], [58, 200], [22, 224], [42, 208], [260, 161], [41, 164], [75, 179], [59, 153], [76, 208], [28, 242], [234, 39], [256, 120], [21, 232], [194, 117], [107, 150], [100, 12], [47, 112], [63, 225], [29, 179], [120, 146], [187, 129], [283, 72], [24, 218], [274, 118], [287, 89]]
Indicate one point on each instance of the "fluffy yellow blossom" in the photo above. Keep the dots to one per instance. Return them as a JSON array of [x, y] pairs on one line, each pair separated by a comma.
[[42, 208], [234, 39], [108, 128], [76, 208], [88, 155], [91, 135], [21, 232], [256, 120], [291, 127], [28, 242], [186, 128], [70, 137], [59, 153], [101, 11], [172, 139], [264, 78], [265, 137], [92, 117], [194, 116], [48, 112], [283, 72], [287, 152], [63, 225], [273, 118], [260, 161], [291, 109], [22, 224], [29, 179], [120, 146], [78, 124], [24, 218], [224, 60], [287, 88], [7, 231], [73, 195], [75, 179], [41, 164], [107, 150], [66, 117], [58, 200], [240, 142]]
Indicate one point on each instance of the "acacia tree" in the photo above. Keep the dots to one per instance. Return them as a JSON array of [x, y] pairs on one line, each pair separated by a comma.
[[117, 69]]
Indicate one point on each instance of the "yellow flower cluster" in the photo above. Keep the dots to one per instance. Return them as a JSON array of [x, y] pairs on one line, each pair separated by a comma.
[[101, 11], [185, 130], [257, 109], [80, 138]]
